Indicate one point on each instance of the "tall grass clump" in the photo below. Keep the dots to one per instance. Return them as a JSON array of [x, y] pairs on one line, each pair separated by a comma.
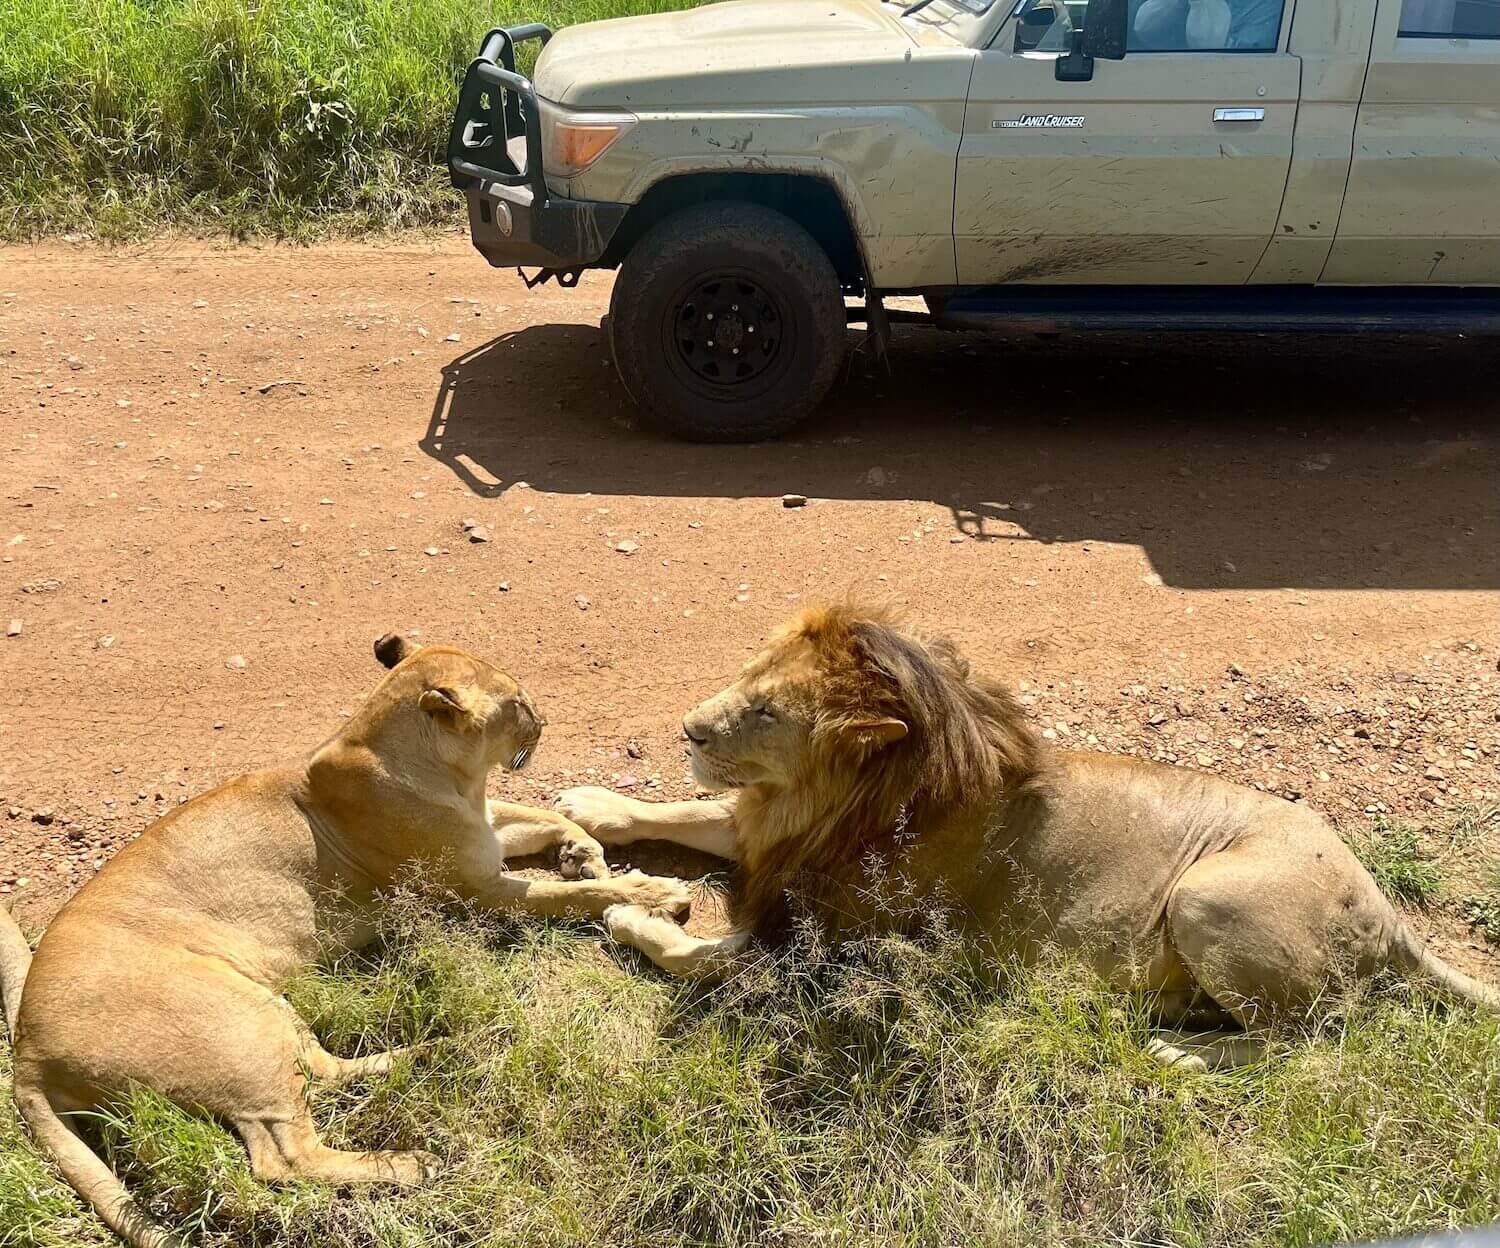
[[891, 1092], [1393, 854], [288, 117]]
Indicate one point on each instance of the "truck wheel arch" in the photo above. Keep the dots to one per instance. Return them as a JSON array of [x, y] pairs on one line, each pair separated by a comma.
[[814, 202]]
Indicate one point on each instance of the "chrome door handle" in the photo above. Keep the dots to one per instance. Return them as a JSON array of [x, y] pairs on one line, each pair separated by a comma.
[[1239, 114]]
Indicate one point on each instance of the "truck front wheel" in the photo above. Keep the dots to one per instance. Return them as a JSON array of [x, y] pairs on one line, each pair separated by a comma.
[[727, 323]]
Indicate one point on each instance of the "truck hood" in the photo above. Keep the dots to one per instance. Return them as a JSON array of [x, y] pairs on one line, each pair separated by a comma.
[[664, 60]]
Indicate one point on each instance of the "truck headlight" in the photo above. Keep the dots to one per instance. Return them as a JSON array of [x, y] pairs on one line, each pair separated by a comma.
[[574, 138]]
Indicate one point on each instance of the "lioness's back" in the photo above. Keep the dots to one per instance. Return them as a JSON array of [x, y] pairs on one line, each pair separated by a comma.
[[211, 876]]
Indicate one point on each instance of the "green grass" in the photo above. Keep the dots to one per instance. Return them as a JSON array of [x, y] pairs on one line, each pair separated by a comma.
[[892, 1093], [291, 118], [1392, 852]]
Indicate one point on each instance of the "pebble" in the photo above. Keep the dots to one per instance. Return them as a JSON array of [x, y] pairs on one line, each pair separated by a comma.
[[479, 534], [41, 587], [505, 587], [430, 551], [43, 816], [582, 602], [13, 629], [236, 663], [790, 500], [627, 547]]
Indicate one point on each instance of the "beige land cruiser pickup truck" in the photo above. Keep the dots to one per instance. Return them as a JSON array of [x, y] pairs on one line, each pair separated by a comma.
[[764, 172]]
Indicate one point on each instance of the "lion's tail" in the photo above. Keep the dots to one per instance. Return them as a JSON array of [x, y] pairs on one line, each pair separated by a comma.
[[1410, 952], [89, 1176]]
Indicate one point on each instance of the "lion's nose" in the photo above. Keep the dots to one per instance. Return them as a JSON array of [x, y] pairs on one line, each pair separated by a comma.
[[695, 738], [535, 713]]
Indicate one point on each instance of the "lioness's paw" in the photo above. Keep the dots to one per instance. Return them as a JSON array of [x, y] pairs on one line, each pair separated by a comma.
[[413, 1167], [581, 857], [662, 893], [608, 815]]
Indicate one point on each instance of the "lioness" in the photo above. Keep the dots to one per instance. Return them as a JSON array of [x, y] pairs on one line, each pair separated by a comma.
[[849, 741], [164, 969]]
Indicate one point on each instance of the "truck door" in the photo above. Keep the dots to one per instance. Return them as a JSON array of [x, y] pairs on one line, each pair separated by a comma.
[[1166, 167], [1423, 204]]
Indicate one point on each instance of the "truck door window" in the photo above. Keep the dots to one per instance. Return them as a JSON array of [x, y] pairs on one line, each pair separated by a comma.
[[1450, 19], [1177, 25], [1205, 25], [1047, 25]]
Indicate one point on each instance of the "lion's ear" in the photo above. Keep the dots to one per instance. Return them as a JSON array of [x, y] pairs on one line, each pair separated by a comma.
[[877, 733], [393, 647], [447, 705]]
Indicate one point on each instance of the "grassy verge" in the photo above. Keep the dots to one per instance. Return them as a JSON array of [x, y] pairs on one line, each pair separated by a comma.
[[1392, 852], [894, 1093], [120, 117]]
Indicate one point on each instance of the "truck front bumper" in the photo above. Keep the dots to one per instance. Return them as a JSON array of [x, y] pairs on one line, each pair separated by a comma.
[[510, 228], [495, 158]]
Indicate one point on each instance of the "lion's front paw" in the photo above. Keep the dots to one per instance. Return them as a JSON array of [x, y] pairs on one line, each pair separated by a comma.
[[608, 815], [581, 857], [620, 920], [662, 893]]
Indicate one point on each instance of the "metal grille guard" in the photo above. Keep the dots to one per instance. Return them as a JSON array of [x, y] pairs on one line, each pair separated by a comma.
[[479, 141]]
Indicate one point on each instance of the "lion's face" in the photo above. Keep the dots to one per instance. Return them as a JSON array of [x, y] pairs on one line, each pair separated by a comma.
[[759, 730], [478, 712]]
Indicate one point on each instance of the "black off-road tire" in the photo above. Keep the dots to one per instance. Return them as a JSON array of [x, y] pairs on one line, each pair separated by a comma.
[[727, 323]]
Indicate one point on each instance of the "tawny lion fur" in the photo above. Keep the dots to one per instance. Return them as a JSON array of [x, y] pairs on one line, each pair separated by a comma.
[[849, 744], [164, 971]]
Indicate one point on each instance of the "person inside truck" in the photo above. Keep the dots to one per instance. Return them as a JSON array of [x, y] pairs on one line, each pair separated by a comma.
[[1206, 25]]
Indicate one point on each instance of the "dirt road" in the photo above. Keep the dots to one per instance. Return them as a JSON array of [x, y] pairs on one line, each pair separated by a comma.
[[226, 471]]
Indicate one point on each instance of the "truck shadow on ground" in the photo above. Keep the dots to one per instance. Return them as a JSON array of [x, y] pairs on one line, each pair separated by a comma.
[[1234, 462]]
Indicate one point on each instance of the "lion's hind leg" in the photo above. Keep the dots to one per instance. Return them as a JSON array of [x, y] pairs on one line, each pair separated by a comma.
[[283, 1148], [319, 1064], [239, 1051], [1266, 926], [271, 1113], [338, 1071]]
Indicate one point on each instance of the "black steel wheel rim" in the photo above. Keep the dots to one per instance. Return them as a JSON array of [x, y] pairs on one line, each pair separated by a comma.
[[728, 333]]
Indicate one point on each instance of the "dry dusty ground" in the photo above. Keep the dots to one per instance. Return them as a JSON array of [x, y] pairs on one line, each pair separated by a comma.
[[226, 471]]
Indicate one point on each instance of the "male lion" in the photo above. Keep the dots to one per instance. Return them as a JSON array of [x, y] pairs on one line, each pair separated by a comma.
[[849, 742], [164, 970]]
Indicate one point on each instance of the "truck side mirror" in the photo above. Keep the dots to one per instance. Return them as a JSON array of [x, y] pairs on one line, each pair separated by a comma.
[[1106, 29]]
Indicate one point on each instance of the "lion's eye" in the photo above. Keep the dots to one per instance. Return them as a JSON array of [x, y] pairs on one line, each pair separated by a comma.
[[765, 712]]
